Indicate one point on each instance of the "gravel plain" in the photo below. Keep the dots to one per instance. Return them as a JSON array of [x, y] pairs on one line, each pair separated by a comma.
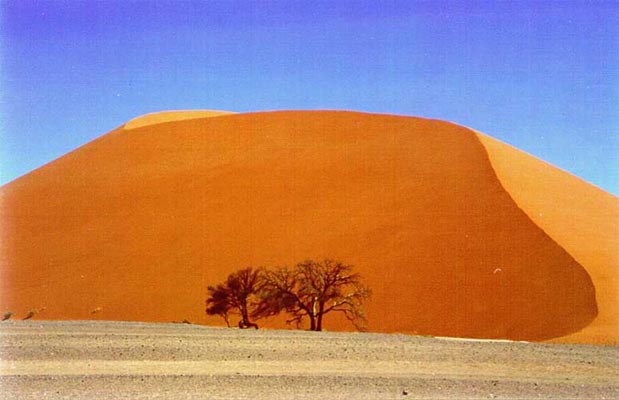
[[128, 360]]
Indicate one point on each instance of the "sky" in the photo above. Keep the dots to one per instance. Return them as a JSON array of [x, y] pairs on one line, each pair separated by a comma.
[[540, 75]]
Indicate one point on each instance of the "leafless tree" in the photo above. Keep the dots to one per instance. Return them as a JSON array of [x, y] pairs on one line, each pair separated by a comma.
[[238, 294], [313, 289]]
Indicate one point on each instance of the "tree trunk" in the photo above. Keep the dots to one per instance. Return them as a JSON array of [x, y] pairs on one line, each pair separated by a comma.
[[312, 323], [315, 312], [245, 322], [244, 316], [321, 309]]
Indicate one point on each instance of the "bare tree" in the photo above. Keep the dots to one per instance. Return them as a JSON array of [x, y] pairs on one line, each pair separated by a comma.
[[280, 293], [313, 289], [236, 295], [218, 302]]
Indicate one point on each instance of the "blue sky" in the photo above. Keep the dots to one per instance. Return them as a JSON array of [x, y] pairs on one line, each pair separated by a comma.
[[540, 75]]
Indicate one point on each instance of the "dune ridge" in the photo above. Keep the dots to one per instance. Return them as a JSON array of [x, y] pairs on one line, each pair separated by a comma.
[[172, 115], [414, 204]]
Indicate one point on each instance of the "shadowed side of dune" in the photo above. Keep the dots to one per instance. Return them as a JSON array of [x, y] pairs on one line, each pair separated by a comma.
[[581, 218], [139, 222]]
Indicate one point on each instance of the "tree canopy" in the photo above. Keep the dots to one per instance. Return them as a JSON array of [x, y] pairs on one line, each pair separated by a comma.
[[309, 290], [238, 294]]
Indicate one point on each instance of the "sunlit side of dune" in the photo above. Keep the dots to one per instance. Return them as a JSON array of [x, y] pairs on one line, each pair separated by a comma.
[[139, 222], [169, 116], [581, 218]]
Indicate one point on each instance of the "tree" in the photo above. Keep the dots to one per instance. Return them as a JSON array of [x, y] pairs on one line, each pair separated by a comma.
[[312, 290], [218, 303], [238, 294]]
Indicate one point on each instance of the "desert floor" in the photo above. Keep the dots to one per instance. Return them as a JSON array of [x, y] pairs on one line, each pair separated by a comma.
[[127, 360]]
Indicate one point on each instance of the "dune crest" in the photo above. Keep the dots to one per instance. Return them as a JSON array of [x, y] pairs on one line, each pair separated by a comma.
[[172, 115], [138, 224]]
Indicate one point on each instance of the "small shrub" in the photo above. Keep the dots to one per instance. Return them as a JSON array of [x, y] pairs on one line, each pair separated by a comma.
[[33, 312], [30, 314]]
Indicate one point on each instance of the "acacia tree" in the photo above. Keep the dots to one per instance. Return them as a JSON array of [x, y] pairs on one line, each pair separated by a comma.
[[218, 302], [313, 289], [238, 294]]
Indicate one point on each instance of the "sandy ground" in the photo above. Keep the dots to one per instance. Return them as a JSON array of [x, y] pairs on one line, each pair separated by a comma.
[[112, 360]]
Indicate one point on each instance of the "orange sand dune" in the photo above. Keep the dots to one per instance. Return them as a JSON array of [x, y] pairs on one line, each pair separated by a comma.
[[581, 218], [138, 222]]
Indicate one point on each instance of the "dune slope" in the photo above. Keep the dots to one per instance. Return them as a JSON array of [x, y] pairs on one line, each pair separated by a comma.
[[581, 218], [137, 223]]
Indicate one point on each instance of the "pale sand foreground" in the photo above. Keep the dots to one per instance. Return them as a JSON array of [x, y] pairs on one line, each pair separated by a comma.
[[122, 360]]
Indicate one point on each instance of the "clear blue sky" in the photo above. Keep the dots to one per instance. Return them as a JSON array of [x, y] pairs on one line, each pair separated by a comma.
[[541, 75]]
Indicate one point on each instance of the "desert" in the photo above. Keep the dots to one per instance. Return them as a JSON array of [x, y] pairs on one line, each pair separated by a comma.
[[492, 273], [456, 233], [309, 199], [129, 360]]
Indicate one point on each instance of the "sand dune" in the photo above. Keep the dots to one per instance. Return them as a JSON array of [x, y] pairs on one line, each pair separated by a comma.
[[137, 223], [581, 218]]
